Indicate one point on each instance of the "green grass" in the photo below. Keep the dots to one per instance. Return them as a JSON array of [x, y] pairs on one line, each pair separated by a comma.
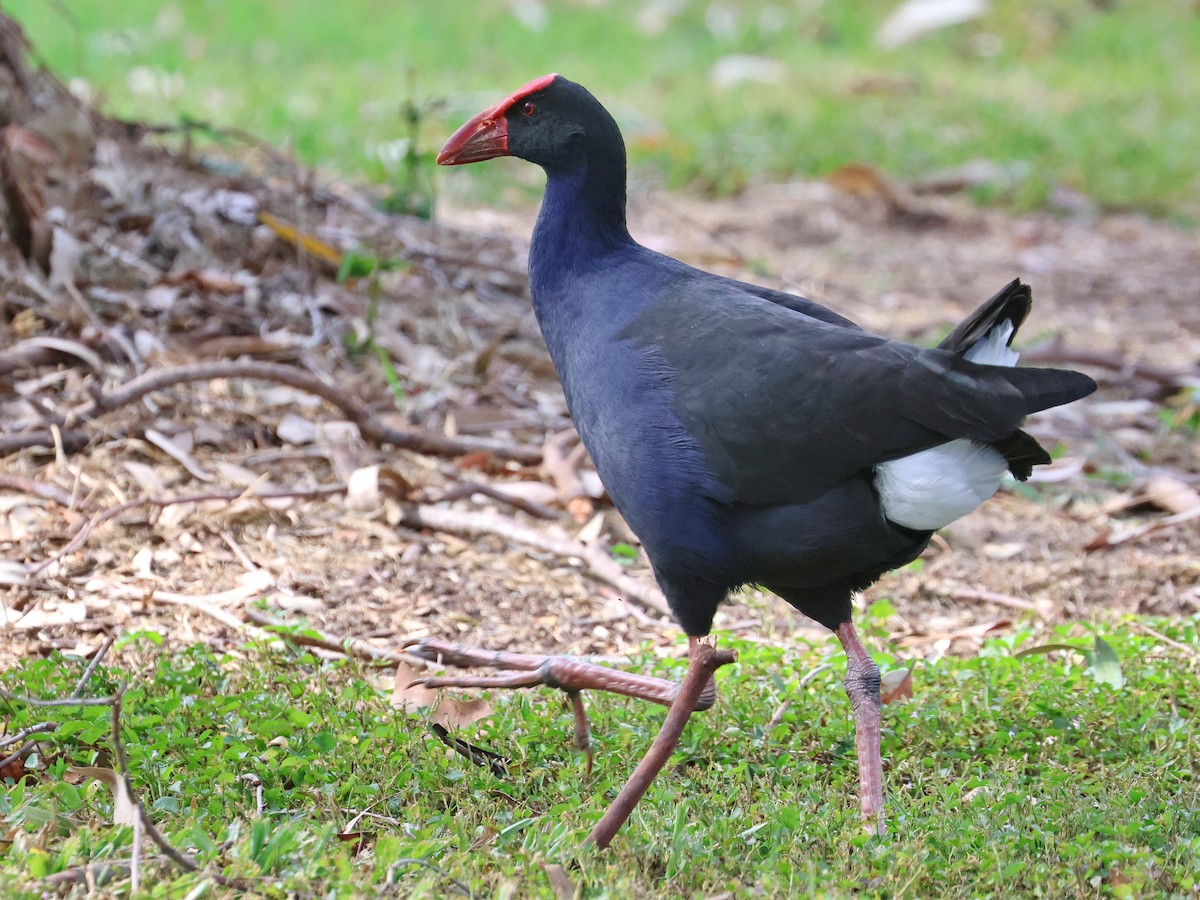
[[1063, 94], [1007, 776]]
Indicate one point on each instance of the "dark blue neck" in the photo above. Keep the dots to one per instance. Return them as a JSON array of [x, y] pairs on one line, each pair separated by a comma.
[[581, 220]]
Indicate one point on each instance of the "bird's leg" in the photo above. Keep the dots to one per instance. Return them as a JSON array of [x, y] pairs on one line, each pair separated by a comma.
[[563, 672], [862, 684], [583, 730], [705, 659]]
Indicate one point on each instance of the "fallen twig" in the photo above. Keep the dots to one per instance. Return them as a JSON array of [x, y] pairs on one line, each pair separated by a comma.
[[38, 489], [992, 597], [208, 604], [93, 665], [184, 862], [1158, 635], [36, 352], [188, 126], [354, 647], [21, 751], [467, 488], [1055, 352], [1111, 538], [11, 739], [72, 439], [368, 422], [61, 701]]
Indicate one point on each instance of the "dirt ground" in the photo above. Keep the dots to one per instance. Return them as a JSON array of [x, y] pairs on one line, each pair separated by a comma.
[[123, 262]]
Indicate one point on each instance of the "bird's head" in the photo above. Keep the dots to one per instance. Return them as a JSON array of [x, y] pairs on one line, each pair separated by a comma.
[[550, 121]]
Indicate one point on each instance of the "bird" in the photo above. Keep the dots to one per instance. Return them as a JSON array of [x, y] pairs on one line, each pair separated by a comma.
[[748, 436]]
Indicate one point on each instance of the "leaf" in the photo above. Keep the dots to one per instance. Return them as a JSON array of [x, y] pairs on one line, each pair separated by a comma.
[[1173, 495], [366, 487], [1103, 663], [356, 265], [861, 180], [296, 430], [744, 68], [896, 685], [915, 18], [481, 756], [14, 770], [124, 812], [308, 243], [1106, 665], [174, 450], [624, 552], [410, 695], [1048, 648]]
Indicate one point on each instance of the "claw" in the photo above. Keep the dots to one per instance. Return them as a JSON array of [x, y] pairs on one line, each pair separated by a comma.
[[569, 675]]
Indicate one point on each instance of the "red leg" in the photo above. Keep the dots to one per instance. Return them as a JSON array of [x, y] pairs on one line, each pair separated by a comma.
[[564, 672], [862, 684], [583, 731], [705, 660]]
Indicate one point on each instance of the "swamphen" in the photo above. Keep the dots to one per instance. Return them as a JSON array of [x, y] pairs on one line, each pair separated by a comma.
[[748, 436]]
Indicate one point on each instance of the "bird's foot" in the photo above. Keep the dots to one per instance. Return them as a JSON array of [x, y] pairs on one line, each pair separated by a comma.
[[568, 674]]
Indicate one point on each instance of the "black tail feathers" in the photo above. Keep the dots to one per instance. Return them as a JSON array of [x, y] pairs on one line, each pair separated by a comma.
[[1041, 388], [1012, 302]]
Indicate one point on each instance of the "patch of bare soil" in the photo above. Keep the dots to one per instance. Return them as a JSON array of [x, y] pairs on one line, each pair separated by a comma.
[[199, 436]]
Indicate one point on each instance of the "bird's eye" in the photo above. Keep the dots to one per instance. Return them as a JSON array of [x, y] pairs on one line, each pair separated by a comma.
[[528, 109]]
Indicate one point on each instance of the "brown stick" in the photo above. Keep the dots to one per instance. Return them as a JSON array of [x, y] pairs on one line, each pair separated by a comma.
[[1056, 352], [992, 597], [470, 488], [72, 440], [705, 660], [368, 422], [37, 488], [352, 647]]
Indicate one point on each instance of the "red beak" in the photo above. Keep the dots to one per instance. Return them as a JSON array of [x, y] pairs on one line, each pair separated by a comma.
[[484, 136]]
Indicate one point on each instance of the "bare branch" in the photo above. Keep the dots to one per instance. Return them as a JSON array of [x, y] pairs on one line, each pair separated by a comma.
[[354, 647], [1056, 352], [38, 489], [368, 422]]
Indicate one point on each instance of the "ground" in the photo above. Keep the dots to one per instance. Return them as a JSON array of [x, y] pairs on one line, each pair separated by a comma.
[[128, 254]]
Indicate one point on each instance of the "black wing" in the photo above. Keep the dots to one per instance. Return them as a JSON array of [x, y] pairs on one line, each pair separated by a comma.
[[786, 405]]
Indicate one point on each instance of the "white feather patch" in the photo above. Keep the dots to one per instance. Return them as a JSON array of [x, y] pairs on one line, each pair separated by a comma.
[[993, 349], [930, 489]]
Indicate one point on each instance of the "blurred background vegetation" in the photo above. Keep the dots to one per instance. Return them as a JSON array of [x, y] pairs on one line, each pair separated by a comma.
[[1064, 104]]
